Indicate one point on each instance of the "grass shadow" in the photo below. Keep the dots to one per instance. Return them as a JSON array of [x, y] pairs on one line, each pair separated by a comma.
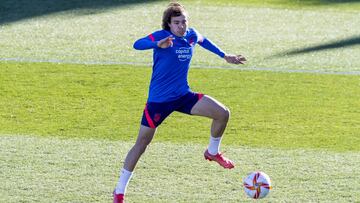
[[328, 1], [319, 2], [336, 1], [351, 41], [15, 10]]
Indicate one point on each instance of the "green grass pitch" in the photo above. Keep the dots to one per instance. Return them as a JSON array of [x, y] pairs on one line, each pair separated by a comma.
[[288, 110], [72, 91]]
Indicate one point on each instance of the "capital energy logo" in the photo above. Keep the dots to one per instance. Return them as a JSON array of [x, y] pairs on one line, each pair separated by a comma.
[[184, 53]]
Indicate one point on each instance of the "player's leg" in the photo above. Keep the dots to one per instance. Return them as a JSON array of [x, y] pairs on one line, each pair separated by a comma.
[[144, 138], [220, 114], [211, 108], [153, 115]]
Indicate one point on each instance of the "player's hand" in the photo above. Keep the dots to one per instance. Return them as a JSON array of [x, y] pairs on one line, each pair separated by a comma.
[[166, 42], [235, 59]]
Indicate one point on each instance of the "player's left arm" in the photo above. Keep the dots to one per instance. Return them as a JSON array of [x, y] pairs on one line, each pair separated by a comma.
[[209, 45]]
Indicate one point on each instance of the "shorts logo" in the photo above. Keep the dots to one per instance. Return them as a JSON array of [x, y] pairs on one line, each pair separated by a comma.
[[157, 117], [183, 53]]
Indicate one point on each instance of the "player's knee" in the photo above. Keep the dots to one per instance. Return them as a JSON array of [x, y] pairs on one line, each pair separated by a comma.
[[142, 144], [225, 114]]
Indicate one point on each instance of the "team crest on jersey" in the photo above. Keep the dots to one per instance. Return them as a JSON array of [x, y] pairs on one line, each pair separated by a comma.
[[184, 53], [191, 42]]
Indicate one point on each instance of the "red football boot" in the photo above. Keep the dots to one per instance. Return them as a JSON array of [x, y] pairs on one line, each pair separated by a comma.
[[118, 198], [220, 159]]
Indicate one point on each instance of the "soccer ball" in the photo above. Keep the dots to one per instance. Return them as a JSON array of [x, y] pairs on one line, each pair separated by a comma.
[[257, 185]]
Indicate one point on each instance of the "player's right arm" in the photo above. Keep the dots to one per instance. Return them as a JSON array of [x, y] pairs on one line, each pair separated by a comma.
[[154, 40]]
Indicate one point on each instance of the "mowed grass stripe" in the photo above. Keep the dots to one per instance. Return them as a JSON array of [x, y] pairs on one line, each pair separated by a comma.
[[265, 36], [308, 4], [281, 110], [38, 169]]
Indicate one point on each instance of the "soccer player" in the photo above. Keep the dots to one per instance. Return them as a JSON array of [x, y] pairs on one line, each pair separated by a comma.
[[169, 91]]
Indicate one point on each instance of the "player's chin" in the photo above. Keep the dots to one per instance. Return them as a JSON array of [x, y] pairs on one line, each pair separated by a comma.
[[181, 33]]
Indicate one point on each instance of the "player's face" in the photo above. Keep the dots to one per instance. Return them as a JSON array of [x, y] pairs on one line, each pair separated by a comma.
[[178, 25]]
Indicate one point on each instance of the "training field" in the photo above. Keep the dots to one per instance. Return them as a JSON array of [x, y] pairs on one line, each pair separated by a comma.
[[72, 91]]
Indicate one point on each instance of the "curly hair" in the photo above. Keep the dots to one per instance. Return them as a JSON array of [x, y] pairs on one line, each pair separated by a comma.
[[174, 9]]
